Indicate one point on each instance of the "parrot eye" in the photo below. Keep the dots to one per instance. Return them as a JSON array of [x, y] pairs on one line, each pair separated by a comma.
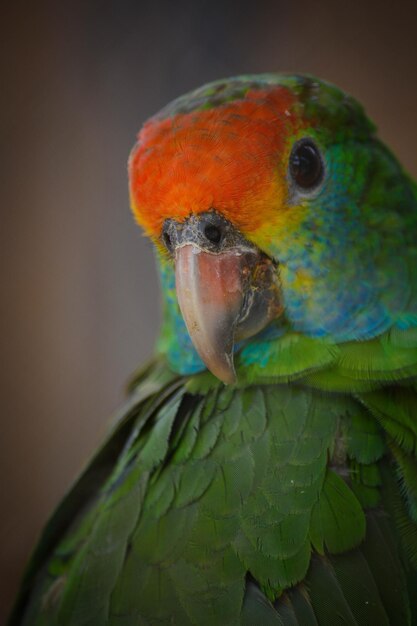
[[306, 164]]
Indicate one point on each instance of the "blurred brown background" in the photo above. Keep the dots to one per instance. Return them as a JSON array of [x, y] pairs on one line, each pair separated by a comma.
[[79, 291]]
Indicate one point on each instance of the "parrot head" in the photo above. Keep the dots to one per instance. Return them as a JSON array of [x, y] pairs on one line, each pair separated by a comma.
[[273, 208]]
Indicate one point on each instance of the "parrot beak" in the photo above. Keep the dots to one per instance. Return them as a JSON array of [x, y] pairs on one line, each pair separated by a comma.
[[227, 289]]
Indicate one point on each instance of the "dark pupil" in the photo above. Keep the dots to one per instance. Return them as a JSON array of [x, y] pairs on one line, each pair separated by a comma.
[[306, 166]]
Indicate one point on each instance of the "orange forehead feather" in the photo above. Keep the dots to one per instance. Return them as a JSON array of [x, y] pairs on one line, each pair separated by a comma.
[[224, 158]]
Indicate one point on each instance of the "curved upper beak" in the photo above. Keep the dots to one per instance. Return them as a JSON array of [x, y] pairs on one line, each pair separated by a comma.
[[226, 292]]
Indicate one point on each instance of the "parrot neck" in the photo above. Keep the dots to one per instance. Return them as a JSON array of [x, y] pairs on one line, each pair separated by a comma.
[[174, 341], [281, 352]]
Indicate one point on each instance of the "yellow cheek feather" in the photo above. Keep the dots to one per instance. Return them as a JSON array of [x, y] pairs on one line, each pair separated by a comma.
[[304, 281], [280, 221]]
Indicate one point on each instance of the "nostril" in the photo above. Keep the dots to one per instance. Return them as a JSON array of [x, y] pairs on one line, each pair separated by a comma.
[[212, 233]]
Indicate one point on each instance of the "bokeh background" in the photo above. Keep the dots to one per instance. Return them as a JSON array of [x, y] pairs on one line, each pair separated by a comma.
[[79, 293]]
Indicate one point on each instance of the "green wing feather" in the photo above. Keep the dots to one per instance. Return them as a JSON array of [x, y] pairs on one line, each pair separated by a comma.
[[210, 505]]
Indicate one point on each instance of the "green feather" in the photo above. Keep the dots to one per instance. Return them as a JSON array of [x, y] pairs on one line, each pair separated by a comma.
[[365, 441], [381, 553], [395, 409], [205, 490], [327, 598], [257, 609], [337, 521]]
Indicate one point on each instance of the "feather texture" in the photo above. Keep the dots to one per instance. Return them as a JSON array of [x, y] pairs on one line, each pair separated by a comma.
[[205, 491]]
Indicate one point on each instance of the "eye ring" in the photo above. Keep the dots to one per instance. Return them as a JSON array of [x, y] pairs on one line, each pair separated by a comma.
[[306, 167]]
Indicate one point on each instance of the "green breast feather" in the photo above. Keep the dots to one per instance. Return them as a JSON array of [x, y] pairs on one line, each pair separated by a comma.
[[269, 504]]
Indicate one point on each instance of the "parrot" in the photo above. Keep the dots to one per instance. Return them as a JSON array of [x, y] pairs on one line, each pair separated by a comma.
[[263, 470]]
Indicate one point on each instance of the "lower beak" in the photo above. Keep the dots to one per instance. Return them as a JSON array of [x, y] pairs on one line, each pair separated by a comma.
[[225, 297]]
